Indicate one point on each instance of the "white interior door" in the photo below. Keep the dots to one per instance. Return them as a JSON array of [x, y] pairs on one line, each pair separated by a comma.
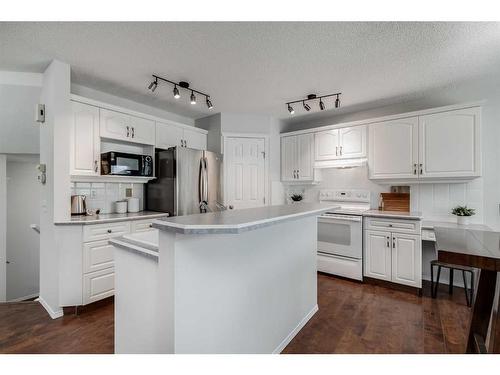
[[245, 166]]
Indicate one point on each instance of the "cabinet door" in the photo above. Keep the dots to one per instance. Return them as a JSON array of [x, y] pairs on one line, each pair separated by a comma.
[[98, 285], [195, 139], [288, 158], [377, 255], [142, 131], [352, 142], [407, 259], [97, 255], [393, 149], [114, 125], [326, 145], [85, 142], [450, 144], [168, 135], [305, 157]]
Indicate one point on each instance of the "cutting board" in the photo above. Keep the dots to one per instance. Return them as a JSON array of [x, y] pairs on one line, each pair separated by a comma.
[[396, 201]]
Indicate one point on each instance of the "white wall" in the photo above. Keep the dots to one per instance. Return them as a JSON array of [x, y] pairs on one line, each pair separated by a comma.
[[3, 226], [19, 92], [435, 199], [23, 243]]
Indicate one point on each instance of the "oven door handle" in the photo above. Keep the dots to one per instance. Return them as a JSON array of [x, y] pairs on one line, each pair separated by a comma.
[[340, 218]]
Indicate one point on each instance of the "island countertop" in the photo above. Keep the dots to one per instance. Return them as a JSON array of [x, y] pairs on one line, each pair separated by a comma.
[[237, 221], [111, 218]]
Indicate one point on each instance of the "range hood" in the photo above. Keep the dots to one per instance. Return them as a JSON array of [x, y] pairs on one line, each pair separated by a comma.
[[340, 164]]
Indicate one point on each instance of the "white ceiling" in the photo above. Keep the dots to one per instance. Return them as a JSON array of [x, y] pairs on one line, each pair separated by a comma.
[[257, 67]]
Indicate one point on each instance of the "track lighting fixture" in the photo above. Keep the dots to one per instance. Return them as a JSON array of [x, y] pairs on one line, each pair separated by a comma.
[[176, 92], [312, 97], [183, 85]]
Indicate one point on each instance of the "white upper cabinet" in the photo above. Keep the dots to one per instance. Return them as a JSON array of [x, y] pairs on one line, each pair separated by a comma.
[[449, 144], [345, 143], [120, 126], [297, 156], [326, 145], [393, 149], [352, 142], [170, 135], [84, 143]]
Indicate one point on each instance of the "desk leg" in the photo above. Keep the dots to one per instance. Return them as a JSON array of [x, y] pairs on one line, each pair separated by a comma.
[[494, 344], [481, 309]]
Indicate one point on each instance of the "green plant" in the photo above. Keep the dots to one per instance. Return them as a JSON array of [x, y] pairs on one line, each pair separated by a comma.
[[296, 197], [463, 211]]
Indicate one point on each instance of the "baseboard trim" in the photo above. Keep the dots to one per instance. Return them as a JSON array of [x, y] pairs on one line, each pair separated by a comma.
[[296, 330], [20, 299], [53, 314]]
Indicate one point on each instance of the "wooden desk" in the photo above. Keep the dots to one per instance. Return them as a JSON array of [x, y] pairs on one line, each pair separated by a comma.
[[479, 249]]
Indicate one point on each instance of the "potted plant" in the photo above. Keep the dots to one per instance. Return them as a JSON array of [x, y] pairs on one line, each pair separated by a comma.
[[463, 213], [296, 198]]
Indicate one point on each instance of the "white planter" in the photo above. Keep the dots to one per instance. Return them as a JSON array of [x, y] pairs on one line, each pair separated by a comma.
[[463, 220]]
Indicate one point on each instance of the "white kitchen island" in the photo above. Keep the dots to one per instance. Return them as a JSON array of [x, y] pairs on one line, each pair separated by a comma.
[[240, 281]]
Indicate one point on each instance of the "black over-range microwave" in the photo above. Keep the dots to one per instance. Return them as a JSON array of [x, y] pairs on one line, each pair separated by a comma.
[[123, 164]]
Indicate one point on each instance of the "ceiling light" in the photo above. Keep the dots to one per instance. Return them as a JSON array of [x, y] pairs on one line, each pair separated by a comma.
[[209, 103], [321, 105], [151, 85], [337, 102], [176, 92], [306, 106], [193, 98], [290, 109]]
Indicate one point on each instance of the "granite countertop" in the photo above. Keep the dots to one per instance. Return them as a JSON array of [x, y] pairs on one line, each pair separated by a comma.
[[237, 221], [111, 218], [414, 215], [475, 242]]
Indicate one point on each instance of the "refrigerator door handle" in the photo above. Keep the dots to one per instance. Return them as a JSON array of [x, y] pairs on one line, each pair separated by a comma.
[[203, 193]]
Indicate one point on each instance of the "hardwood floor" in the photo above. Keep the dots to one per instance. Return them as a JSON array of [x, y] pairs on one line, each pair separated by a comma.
[[363, 318], [352, 318]]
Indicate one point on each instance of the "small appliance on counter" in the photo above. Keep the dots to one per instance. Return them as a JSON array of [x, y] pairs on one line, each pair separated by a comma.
[[124, 164], [78, 205], [340, 233], [132, 204], [121, 207]]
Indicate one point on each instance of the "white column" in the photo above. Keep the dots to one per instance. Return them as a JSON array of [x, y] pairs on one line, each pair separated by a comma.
[[3, 226]]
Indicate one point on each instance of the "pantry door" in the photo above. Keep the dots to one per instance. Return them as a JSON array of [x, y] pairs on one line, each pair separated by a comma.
[[245, 160]]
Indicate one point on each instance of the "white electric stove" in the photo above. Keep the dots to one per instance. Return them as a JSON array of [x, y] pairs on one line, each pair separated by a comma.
[[340, 233]]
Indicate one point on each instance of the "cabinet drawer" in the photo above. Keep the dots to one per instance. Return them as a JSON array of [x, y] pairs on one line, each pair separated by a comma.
[[428, 235], [142, 225], [97, 255], [98, 285], [394, 225], [104, 231]]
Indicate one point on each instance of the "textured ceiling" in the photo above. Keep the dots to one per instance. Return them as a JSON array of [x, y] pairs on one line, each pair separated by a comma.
[[256, 67]]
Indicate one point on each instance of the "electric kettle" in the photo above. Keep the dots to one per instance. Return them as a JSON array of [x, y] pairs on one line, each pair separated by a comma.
[[78, 205]]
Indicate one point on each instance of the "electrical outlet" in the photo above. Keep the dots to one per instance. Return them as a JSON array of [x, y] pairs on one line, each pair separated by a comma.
[[128, 192]]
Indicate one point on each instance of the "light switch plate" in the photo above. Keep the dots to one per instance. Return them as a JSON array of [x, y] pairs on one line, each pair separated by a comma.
[[128, 192]]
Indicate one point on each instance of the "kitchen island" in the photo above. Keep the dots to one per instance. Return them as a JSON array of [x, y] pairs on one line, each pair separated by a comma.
[[241, 281]]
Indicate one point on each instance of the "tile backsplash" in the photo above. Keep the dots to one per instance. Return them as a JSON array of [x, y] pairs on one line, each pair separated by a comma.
[[103, 195]]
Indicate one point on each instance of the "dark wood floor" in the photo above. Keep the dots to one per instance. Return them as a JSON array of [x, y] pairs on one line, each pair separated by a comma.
[[352, 318]]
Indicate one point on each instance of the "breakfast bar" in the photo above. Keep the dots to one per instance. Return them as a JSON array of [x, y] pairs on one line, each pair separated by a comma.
[[241, 281]]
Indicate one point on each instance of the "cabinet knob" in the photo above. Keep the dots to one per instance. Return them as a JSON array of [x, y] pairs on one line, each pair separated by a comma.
[[109, 231], [151, 225]]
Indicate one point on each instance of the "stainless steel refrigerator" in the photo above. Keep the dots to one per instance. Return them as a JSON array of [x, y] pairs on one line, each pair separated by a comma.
[[187, 182]]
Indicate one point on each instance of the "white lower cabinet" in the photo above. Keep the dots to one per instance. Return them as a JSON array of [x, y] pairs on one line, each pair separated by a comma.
[[393, 254], [98, 285]]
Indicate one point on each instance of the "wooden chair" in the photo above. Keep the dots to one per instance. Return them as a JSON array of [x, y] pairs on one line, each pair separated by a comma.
[[469, 292]]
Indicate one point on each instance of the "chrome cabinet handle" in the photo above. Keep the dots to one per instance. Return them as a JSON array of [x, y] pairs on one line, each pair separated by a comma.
[[128, 131], [340, 150], [421, 169], [185, 143], [294, 175], [109, 231], [133, 132], [415, 168], [336, 150], [95, 166], [388, 244], [393, 242], [298, 176]]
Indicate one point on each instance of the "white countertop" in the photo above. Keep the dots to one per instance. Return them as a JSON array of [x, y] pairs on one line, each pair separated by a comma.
[[111, 218], [237, 221], [468, 241], [414, 215], [430, 224]]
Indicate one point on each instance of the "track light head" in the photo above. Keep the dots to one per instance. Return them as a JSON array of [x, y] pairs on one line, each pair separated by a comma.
[[151, 85], [209, 103], [193, 98], [290, 109], [176, 92], [337, 102], [306, 106], [321, 105]]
